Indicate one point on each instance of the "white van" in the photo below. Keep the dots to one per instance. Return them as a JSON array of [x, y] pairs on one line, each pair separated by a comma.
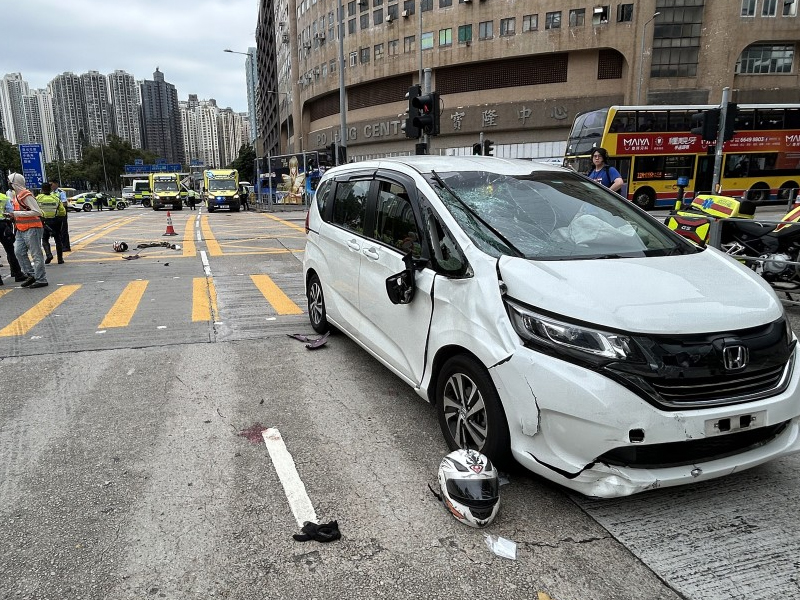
[[553, 322]]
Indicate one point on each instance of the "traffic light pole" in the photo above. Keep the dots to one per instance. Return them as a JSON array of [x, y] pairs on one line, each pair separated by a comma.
[[426, 89], [723, 114]]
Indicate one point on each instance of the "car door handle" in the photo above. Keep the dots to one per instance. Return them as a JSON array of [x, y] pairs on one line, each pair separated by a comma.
[[371, 252], [354, 245]]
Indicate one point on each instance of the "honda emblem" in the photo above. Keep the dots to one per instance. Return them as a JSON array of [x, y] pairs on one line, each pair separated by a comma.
[[735, 357]]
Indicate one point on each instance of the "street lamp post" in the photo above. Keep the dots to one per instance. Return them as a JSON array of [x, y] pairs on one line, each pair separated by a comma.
[[641, 58]]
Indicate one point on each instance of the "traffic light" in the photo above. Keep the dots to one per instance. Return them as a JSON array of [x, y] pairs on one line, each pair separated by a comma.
[[730, 121], [706, 124], [411, 130], [477, 149], [427, 113], [488, 148]]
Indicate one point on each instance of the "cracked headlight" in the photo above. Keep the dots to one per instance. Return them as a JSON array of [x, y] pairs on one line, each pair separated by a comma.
[[577, 341]]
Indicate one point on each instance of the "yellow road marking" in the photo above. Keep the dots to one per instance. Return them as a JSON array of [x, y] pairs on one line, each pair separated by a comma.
[[211, 242], [279, 301], [121, 313], [189, 249], [288, 223], [108, 229], [204, 299], [33, 316], [4, 292]]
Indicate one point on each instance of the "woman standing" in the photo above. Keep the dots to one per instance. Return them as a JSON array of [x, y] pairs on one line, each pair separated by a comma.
[[603, 172]]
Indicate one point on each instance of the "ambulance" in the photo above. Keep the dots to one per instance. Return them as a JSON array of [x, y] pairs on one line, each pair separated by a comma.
[[221, 189], [141, 192], [166, 191]]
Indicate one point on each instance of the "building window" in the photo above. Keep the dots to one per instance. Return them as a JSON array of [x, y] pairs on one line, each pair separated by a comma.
[[766, 58], [324, 69], [676, 39], [552, 20], [748, 8], [332, 66], [485, 30], [769, 8], [351, 27], [789, 8], [508, 26], [577, 17], [364, 55], [364, 21], [351, 8], [394, 47], [446, 37], [445, 3], [409, 44], [377, 3], [425, 5], [427, 40], [599, 15], [464, 33], [353, 59], [392, 11], [409, 7], [378, 51], [377, 16], [530, 23], [363, 5], [625, 13]]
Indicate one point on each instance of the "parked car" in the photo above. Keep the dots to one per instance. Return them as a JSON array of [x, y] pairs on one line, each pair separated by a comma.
[[552, 322], [90, 200], [81, 202]]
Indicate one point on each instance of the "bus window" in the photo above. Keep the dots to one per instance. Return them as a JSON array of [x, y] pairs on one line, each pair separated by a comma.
[[770, 119], [736, 165], [626, 120], [680, 120], [745, 119], [792, 118], [663, 167], [650, 120]]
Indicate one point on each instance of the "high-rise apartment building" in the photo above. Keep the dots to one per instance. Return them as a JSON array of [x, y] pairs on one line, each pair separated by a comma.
[[97, 104], [70, 117], [39, 122], [161, 119], [12, 89], [125, 107]]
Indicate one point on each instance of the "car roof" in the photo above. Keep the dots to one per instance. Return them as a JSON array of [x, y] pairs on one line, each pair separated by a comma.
[[443, 164]]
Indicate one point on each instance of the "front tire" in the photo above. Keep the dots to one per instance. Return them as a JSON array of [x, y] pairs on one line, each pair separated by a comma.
[[87, 207], [316, 305], [469, 410], [644, 198]]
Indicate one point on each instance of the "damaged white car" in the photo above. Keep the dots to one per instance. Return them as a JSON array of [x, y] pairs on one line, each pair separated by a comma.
[[551, 321]]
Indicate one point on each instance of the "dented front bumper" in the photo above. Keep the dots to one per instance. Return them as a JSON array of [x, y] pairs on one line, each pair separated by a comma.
[[564, 418]]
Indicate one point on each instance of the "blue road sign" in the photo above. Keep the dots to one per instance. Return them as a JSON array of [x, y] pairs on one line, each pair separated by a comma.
[[159, 168], [32, 165]]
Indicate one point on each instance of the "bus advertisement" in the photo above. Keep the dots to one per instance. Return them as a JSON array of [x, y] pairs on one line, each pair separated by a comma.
[[651, 146]]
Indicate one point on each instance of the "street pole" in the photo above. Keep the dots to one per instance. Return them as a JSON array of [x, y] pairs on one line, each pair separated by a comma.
[[723, 109], [641, 58]]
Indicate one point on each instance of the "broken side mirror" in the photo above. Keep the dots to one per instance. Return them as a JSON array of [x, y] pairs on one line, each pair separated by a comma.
[[401, 286]]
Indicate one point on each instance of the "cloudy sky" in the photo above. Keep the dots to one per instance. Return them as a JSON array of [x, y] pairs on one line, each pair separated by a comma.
[[185, 39]]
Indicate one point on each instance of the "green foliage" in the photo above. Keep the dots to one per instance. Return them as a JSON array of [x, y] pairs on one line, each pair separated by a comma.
[[244, 163], [9, 160]]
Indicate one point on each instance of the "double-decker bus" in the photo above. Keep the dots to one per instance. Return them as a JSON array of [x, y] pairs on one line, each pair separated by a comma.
[[651, 146]]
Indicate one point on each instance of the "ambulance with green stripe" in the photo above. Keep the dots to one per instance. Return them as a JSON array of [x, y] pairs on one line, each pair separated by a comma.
[[141, 191], [221, 189]]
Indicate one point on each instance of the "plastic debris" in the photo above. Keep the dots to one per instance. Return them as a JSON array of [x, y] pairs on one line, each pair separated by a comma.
[[501, 546], [311, 343], [327, 532]]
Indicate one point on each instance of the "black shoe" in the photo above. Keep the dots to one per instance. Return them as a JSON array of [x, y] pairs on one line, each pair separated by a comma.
[[67, 249], [20, 277], [28, 282], [48, 260], [38, 284], [61, 261]]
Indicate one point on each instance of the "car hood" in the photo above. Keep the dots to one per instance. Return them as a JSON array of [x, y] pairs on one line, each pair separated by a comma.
[[694, 293]]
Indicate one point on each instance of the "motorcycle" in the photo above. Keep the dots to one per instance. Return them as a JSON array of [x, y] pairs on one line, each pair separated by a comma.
[[770, 249]]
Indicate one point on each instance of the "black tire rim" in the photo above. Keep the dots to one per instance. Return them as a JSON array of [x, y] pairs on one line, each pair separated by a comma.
[[464, 412]]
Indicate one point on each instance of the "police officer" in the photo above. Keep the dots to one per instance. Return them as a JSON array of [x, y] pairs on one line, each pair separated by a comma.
[[56, 189], [7, 237], [54, 215]]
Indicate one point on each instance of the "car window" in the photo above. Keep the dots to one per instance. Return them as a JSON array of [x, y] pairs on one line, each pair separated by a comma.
[[322, 196], [446, 255], [394, 223], [350, 202], [551, 216]]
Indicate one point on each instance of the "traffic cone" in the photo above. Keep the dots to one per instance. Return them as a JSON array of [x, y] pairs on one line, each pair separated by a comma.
[[170, 228]]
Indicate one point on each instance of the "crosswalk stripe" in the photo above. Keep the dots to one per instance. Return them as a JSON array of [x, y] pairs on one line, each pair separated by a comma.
[[204, 299], [32, 317], [275, 296], [213, 246], [122, 312]]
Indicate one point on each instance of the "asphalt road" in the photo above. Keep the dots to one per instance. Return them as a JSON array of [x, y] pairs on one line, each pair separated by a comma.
[[134, 397]]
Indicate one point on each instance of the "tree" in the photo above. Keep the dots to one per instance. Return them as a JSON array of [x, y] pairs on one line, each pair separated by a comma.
[[244, 163], [9, 160]]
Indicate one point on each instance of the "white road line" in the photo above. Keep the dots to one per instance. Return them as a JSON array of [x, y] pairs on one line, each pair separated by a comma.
[[299, 502], [206, 266]]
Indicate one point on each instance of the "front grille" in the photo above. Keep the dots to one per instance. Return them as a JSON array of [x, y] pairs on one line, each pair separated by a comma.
[[700, 391], [690, 452]]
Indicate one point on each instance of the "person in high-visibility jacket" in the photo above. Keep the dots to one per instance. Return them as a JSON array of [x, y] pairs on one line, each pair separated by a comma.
[[7, 238], [55, 213], [28, 219]]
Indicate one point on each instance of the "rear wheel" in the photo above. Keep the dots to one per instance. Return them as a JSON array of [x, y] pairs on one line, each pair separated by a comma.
[[316, 305], [469, 410], [787, 190], [758, 193], [644, 198], [87, 207]]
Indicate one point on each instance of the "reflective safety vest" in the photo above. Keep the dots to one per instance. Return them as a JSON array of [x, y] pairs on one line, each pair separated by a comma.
[[51, 205], [26, 222]]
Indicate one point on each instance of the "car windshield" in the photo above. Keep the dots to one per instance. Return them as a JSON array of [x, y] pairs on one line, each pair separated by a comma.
[[551, 215], [218, 185]]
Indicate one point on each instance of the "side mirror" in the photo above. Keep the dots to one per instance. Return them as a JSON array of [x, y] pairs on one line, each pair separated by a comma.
[[401, 286]]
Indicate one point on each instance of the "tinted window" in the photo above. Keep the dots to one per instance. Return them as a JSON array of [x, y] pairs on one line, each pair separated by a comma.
[[322, 197], [349, 206], [394, 224]]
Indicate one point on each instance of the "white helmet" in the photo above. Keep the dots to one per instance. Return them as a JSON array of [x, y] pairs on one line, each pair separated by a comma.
[[469, 487], [120, 246]]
